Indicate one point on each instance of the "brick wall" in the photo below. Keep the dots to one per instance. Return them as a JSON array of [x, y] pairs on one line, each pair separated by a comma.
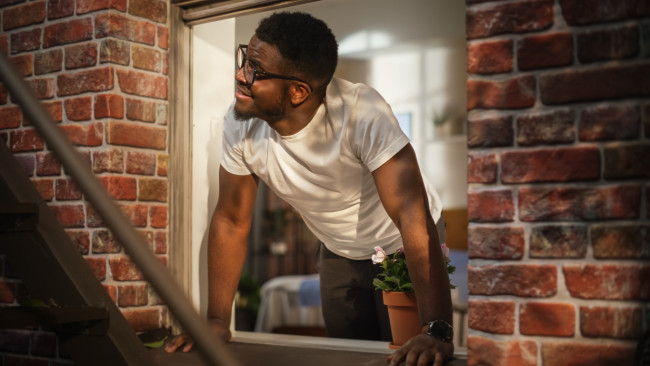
[[100, 68], [559, 168]]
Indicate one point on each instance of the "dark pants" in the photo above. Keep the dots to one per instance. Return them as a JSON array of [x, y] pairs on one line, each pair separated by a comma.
[[352, 308]]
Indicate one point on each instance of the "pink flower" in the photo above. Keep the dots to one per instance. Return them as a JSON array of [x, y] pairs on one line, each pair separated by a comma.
[[445, 250], [379, 255]]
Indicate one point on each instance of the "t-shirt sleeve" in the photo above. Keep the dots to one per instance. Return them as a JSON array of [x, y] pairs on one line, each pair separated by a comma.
[[378, 136], [232, 157]]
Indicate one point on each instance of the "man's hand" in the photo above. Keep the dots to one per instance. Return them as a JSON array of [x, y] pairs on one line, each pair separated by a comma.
[[422, 350], [219, 328]]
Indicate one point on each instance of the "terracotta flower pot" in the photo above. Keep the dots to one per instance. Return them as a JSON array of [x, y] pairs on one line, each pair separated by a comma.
[[403, 314]]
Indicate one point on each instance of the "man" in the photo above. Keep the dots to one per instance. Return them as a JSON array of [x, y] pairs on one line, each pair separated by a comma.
[[334, 151]]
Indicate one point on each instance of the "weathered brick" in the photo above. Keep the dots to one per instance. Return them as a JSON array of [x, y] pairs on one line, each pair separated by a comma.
[[109, 106], [76, 30], [119, 187], [621, 241], [59, 8], [109, 161], [122, 27], [496, 242], [570, 86], [485, 351], [608, 44], [492, 316], [550, 165], [136, 135], [85, 135], [512, 93], [98, 266], [139, 162], [579, 203], [23, 15], [43, 344], [140, 110], [624, 161], [4, 3], [7, 296], [25, 140], [160, 242], [163, 36], [490, 57], [147, 236], [123, 269], [162, 113], [115, 51], [95, 80], [78, 109], [48, 61], [162, 165], [23, 64], [490, 206], [147, 58], [547, 319], [546, 50], [45, 188], [158, 216], [135, 213], [65, 189], [28, 40], [3, 94], [612, 322], [152, 189], [524, 280], [47, 164], [550, 128], [27, 163], [133, 295], [608, 281], [582, 12], [512, 17], [482, 167], [80, 239], [14, 341], [54, 108], [87, 6], [610, 122], [4, 44], [112, 292], [578, 353], [10, 117], [70, 215], [490, 132], [81, 55], [566, 241], [143, 319], [104, 242], [43, 88], [142, 84], [155, 10]]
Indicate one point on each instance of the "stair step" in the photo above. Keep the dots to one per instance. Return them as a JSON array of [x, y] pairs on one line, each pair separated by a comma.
[[18, 216]]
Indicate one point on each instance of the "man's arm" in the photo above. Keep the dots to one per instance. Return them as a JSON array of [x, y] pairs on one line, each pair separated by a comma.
[[402, 192]]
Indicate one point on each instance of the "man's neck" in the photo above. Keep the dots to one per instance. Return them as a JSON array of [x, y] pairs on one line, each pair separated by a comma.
[[297, 119]]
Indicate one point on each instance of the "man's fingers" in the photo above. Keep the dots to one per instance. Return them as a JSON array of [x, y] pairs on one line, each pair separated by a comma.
[[188, 346]]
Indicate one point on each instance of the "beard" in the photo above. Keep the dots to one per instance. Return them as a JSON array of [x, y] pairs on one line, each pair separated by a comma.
[[269, 115]]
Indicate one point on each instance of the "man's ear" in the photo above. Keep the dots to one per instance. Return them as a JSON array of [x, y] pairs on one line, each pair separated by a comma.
[[299, 92]]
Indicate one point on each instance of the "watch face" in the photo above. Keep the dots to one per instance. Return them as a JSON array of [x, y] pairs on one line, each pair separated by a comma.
[[441, 330]]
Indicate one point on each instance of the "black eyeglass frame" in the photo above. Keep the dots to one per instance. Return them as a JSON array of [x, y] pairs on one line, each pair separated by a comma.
[[241, 50]]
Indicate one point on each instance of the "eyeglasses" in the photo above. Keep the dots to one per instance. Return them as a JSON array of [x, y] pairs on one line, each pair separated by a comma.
[[251, 71]]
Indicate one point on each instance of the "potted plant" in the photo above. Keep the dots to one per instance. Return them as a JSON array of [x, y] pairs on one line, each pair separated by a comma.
[[395, 283]]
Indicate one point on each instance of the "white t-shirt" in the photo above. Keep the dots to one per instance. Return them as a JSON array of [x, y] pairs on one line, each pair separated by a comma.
[[325, 170]]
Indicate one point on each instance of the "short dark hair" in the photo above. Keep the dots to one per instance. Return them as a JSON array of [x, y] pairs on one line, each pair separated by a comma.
[[306, 43]]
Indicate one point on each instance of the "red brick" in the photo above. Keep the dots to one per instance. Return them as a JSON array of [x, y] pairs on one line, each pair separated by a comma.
[[112, 292], [115, 51], [98, 266], [496, 242], [95, 80], [162, 113], [82, 55], [512, 93], [78, 109], [4, 3], [143, 319], [7, 296], [136, 135], [152, 190], [620, 241], [516, 352], [570, 86], [608, 281], [55, 109], [550, 165], [70, 215], [158, 216], [121, 27], [147, 58], [10, 117], [109, 161], [529, 280], [23, 15], [582, 12], [3, 94], [163, 37], [65, 189], [76, 30], [87, 6], [23, 64], [162, 165], [120, 188], [160, 242], [27, 163], [567, 241], [43, 344], [165, 63], [546, 128], [610, 122], [48, 61], [576, 353], [43, 88], [59, 9], [47, 164], [490, 132], [579, 203], [155, 10], [490, 57], [147, 236], [85, 135], [624, 161], [124, 270], [136, 214], [80, 239], [138, 162], [547, 319], [109, 106], [45, 188], [28, 40], [133, 295], [14, 341], [490, 206], [612, 322], [512, 17], [546, 50], [492, 316], [4, 44], [482, 167], [104, 242], [608, 44], [142, 84], [25, 140], [140, 110]]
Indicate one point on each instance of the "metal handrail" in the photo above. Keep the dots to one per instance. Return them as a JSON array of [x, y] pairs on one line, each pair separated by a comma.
[[211, 348]]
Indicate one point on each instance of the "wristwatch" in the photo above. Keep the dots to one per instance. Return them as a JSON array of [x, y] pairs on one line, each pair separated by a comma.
[[441, 330]]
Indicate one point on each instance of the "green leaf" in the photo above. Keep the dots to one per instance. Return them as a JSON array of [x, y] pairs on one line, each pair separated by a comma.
[[156, 344]]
